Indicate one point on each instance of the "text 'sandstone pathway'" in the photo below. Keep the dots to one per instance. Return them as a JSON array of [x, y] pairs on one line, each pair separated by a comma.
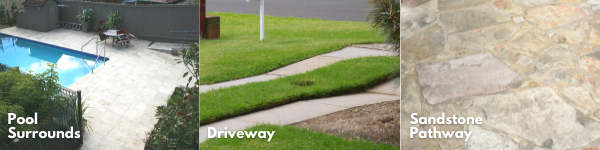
[[124, 92], [527, 67]]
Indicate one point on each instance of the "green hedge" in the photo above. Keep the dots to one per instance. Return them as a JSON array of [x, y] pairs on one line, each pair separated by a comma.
[[25, 95]]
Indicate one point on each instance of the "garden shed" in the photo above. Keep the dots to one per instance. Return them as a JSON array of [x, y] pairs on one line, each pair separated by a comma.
[[39, 15]]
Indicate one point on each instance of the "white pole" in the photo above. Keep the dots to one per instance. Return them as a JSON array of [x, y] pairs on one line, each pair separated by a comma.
[[262, 20]]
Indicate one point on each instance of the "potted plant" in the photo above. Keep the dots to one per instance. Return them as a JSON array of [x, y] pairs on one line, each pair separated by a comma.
[[14, 9], [113, 20], [14, 5], [85, 17]]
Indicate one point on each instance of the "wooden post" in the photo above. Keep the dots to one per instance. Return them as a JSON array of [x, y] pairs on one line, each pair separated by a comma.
[[203, 19], [17, 144], [8, 18], [79, 115]]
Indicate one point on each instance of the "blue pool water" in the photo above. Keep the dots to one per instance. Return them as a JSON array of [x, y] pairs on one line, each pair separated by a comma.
[[30, 55]]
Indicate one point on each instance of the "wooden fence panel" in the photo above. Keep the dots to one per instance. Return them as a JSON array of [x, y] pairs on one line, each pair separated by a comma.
[[149, 22]]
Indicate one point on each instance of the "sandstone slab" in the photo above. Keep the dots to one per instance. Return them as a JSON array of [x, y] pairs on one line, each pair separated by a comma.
[[532, 113], [524, 61], [556, 65], [485, 139], [594, 2], [477, 74], [594, 37], [518, 19], [591, 62], [445, 5], [552, 16], [411, 95], [508, 6], [474, 41], [569, 35], [589, 48], [533, 3], [415, 19], [596, 20], [570, 1], [582, 98], [469, 40], [417, 22], [472, 18], [528, 41], [424, 44], [500, 32], [413, 3]]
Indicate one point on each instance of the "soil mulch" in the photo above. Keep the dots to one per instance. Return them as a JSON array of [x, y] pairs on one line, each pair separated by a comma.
[[376, 122]]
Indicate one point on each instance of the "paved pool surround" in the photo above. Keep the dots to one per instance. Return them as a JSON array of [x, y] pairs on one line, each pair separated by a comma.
[[123, 93]]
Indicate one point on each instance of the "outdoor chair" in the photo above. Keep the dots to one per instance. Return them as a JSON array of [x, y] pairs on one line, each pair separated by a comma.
[[129, 35], [101, 26], [102, 36], [122, 39]]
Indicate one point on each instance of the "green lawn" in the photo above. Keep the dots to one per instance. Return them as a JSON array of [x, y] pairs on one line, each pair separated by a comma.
[[344, 77], [239, 52], [287, 137]]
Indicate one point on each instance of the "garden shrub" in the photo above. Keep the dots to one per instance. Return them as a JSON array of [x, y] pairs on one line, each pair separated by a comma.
[[3, 67], [27, 94], [385, 16], [178, 125], [175, 97]]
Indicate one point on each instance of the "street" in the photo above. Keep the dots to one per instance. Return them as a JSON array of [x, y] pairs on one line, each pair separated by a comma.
[[340, 10]]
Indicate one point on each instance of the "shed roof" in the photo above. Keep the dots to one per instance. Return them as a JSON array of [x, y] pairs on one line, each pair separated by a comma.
[[36, 2]]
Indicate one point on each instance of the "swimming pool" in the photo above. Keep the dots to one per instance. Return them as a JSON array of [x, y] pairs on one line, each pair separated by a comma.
[[31, 55]]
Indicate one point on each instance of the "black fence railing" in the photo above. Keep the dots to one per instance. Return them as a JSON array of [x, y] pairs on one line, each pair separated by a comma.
[[68, 115]]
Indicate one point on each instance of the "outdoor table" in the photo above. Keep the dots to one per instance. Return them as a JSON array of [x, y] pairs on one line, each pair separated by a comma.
[[111, 33]]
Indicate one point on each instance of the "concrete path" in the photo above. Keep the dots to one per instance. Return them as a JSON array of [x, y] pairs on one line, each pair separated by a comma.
[[124, 92], [297, 111], [305, 65], [527, 67]]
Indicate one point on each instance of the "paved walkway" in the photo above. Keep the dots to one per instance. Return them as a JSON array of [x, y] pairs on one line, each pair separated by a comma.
[[527, 67], [123, 93], [304, 110], [307, 65]]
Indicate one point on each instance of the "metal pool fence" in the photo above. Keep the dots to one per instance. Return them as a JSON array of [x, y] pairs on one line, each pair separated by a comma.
[[67, 115]]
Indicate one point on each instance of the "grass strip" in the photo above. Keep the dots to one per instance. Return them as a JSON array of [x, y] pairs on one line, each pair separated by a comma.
[[344, 77], [288, 137], [239, 53]]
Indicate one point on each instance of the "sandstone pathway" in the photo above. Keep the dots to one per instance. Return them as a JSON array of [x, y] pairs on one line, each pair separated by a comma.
[[527, 67]]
